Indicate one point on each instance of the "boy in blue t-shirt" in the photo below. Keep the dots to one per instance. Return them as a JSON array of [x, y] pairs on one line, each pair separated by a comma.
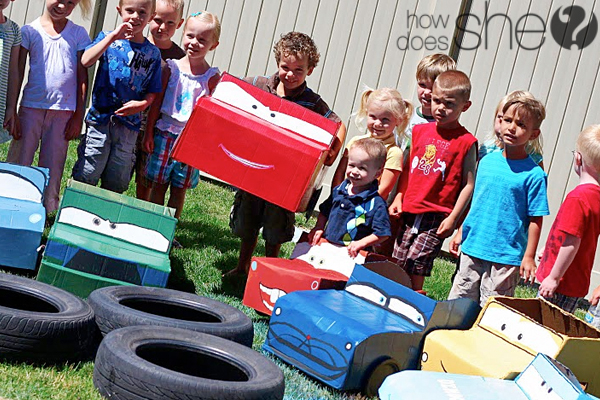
[[355, 214], [127, 81]]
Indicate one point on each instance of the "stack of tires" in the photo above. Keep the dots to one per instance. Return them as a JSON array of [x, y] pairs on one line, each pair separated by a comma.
[[166, 344]]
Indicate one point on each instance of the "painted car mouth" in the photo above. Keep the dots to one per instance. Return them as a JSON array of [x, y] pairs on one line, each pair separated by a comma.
[[312, 349], [270, 295]]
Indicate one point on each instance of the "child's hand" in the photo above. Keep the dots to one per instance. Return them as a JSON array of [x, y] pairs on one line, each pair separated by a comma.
[[148, 143], [395, 209], [527, 269], [131, 107], [595, 296], [354, 248], [314, 236], [446, 227], [74, 125], [548, 287], [123, 31], [454, 245], [11, 124]]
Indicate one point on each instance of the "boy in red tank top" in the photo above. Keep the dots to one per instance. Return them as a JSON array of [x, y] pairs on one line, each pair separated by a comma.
[[441, 176]]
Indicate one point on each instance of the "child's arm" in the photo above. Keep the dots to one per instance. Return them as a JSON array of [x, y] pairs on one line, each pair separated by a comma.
[[154, 113], [75, 123], [336, 146], [316, 233], [464, 197], [395, 208], [595, 296], [566, 254], [136, 106], [387, 182], [372, 239], [93, 54], [528, 266], [16, 72], [340, 171]]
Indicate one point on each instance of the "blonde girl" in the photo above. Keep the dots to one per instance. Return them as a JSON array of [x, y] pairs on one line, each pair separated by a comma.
[[52, 107], [184, 81], [386, 115]]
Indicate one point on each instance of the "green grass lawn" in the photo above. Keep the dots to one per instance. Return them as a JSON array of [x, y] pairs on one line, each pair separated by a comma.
[[209, 250]]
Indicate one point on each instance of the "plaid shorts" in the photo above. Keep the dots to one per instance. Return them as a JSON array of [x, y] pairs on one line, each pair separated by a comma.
[[161, 168], [419, 245], [569, 304]]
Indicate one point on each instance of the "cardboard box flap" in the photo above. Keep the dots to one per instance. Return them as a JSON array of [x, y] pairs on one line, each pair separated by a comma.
[[22, 183], [275, 110]]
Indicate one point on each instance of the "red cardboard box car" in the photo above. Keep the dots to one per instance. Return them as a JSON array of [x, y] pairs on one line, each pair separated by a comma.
[[258, 142], [325, 266]]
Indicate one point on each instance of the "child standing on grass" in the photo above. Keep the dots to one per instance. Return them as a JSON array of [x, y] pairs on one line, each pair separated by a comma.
[[53, 103], [568, 258], [184, 81], [127, 81], [507, 209], [167, 20], [355, 214], [297, 56], [9, 73], [386, 112], [442, 161]]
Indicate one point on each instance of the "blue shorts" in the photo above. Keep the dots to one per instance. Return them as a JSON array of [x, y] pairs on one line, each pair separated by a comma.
[[161, 168]]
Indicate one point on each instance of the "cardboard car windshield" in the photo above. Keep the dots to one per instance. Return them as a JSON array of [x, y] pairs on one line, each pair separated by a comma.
[[101, 238], [22, 214], [341, 337], [543, 379], [258, 142], [506, 337]]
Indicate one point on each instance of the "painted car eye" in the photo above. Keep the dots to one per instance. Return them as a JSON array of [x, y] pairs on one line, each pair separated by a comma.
[[408, 311], [321, 262], [113, 225], [312, 259], [96, 221], [368, 293]]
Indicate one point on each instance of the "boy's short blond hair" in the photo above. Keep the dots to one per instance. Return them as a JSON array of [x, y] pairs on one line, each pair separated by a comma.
[[588, 144], [532, 106], [153, 2], [210, 19], [175, 4], [299, 45], [374, 148], [456, 82], [433, 65]]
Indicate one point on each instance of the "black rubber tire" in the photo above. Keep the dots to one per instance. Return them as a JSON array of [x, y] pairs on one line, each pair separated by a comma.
[[41, 323], [121, 306], [378, 375], [147, 362]]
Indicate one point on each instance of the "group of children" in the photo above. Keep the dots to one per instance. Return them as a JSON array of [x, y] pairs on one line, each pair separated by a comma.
[[408, 183]]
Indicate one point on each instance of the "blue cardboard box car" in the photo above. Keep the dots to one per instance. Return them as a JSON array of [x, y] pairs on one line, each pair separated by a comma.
[[543, 379], [22, 214], [353, 338]]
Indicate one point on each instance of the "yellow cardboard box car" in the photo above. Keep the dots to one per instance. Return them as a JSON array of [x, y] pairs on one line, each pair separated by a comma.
[[506, 337]]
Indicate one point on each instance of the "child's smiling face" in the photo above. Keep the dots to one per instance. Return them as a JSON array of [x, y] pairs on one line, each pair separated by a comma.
[[138, 13], [380, 120], [198, 38], [361, 169], [293, 71]]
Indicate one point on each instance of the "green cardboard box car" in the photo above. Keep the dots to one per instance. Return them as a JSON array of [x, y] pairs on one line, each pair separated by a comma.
[[101, 238]]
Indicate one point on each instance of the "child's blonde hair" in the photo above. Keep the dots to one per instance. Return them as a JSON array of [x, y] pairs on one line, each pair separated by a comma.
[[208, 18], [456, 82], [299, 45], [536, 110], [374, 148], [588, 144], [86, 8], [434, 64], [533, 146], [176, 4], [152, 2], [392, 99]]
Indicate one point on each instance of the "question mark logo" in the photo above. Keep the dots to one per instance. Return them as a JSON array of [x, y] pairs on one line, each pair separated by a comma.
[[566, 34]]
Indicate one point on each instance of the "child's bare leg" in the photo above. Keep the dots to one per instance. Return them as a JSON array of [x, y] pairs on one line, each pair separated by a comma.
[[272, 250], [176, 200], [157, 195], [142, 191], [417, 281], [246, 250]]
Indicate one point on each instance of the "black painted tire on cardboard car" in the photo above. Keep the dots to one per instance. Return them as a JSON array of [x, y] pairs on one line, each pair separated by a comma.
[[120, 306], [149, 362], [42, 323]]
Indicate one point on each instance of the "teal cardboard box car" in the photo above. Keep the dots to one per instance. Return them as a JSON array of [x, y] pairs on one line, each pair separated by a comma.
[[101, 238], [22, 214]]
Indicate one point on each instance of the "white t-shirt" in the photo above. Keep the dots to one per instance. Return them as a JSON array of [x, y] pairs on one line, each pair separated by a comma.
[[52, 80]]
